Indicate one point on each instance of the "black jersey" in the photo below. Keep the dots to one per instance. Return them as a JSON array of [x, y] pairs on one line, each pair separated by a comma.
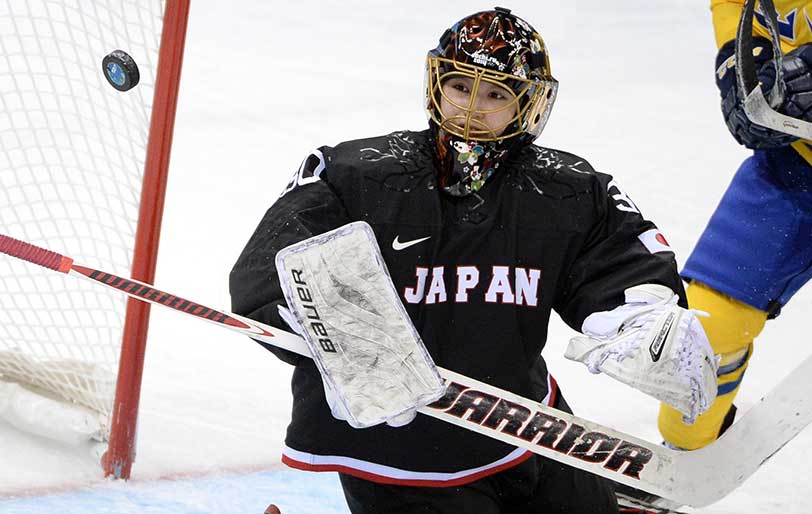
[[479, 276]]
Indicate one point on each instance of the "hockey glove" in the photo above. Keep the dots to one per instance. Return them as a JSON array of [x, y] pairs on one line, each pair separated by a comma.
[[743, 130], [797, 68], [653, 345], [373, 363]]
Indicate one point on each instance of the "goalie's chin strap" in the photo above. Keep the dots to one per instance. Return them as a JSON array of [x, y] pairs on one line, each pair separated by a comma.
[[745, 62]]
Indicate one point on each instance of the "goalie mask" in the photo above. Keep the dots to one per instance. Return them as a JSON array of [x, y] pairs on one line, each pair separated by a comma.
[[488, 92]]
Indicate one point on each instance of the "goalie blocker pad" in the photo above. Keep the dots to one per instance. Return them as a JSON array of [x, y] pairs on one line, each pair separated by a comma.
[[363, 342]]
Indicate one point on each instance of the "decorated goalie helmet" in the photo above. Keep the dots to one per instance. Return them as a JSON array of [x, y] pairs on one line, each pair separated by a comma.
[[489, 92]]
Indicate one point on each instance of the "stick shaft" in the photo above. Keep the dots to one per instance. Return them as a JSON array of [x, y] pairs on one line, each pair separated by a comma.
[[686, 478], [145, 292]]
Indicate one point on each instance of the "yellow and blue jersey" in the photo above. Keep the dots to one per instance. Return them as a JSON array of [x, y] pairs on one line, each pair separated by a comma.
[[795, 27], [794, 20]]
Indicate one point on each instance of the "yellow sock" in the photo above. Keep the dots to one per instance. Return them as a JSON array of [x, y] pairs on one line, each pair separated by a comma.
[[731, 328]]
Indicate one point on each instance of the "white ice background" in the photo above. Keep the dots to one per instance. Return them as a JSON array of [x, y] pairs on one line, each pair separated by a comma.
[[264, 82]]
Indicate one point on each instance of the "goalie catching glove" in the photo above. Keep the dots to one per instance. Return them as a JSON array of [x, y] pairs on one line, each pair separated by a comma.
[[653, 345], [373, 364]]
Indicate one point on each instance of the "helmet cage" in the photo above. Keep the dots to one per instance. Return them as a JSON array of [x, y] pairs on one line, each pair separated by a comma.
[[532, 101]]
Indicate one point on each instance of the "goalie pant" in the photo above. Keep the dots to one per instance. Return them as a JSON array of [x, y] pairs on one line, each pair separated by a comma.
[[478, 275]]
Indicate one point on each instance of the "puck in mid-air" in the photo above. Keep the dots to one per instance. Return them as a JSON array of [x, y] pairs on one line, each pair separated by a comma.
[[120, 70]]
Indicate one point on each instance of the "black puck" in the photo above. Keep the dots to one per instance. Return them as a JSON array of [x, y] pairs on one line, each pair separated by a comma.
[[120, 70]]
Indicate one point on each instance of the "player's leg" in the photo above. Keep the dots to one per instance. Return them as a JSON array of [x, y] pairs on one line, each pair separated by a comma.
[[731, 329], [755, 253]]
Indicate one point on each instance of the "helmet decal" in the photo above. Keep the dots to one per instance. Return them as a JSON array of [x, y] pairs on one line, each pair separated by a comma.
[[496, 42]]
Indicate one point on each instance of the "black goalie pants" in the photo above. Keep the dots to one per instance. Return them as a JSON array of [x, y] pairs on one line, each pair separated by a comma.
[[536, 486]]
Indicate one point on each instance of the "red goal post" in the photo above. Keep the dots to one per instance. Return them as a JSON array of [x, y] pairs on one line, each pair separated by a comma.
[[121, 449]]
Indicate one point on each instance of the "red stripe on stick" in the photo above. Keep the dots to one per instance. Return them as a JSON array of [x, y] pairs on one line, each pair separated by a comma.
[[34, 254]]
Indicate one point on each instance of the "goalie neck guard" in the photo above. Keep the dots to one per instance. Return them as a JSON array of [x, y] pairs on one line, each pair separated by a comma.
[[488, 91]]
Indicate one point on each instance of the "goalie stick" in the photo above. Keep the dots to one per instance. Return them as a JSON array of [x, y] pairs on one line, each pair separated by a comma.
[[756, 107], [696, 478]]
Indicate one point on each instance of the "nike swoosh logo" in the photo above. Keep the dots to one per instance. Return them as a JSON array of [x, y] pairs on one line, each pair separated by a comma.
[[398, 246]]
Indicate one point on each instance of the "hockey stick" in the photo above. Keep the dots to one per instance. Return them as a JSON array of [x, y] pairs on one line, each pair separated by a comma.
[[694, 478], [756, 107]]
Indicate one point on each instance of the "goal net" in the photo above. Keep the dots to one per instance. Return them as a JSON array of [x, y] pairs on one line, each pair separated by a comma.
[[73, 154]]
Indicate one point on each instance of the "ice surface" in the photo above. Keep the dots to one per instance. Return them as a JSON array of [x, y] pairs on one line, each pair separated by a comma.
[[266, 82], [219, 493]]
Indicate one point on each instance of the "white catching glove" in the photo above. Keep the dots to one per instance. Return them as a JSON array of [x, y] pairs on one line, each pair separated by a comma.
[[337, 408], [653, 345]]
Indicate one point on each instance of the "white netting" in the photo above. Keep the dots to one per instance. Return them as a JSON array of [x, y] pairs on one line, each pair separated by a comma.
[[72, 151]]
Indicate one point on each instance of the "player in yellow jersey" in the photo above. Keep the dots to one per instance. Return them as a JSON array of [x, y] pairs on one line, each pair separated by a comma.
[[756, 251]]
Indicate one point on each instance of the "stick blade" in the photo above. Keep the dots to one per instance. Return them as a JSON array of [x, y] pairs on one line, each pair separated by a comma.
[[759, 111]]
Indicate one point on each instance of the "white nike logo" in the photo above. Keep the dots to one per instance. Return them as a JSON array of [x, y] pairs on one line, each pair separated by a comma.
[[398, 246]]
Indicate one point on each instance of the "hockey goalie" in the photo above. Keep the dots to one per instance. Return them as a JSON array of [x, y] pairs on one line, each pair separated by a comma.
[[478, 235]]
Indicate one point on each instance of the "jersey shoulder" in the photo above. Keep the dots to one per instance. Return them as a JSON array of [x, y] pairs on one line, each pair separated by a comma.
[[348, 162], [404, 148], [566, 169], [560, 175], [566, 162]]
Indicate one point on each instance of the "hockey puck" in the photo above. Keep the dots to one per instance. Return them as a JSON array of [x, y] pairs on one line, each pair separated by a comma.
[[272, 509], [120, 70]]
